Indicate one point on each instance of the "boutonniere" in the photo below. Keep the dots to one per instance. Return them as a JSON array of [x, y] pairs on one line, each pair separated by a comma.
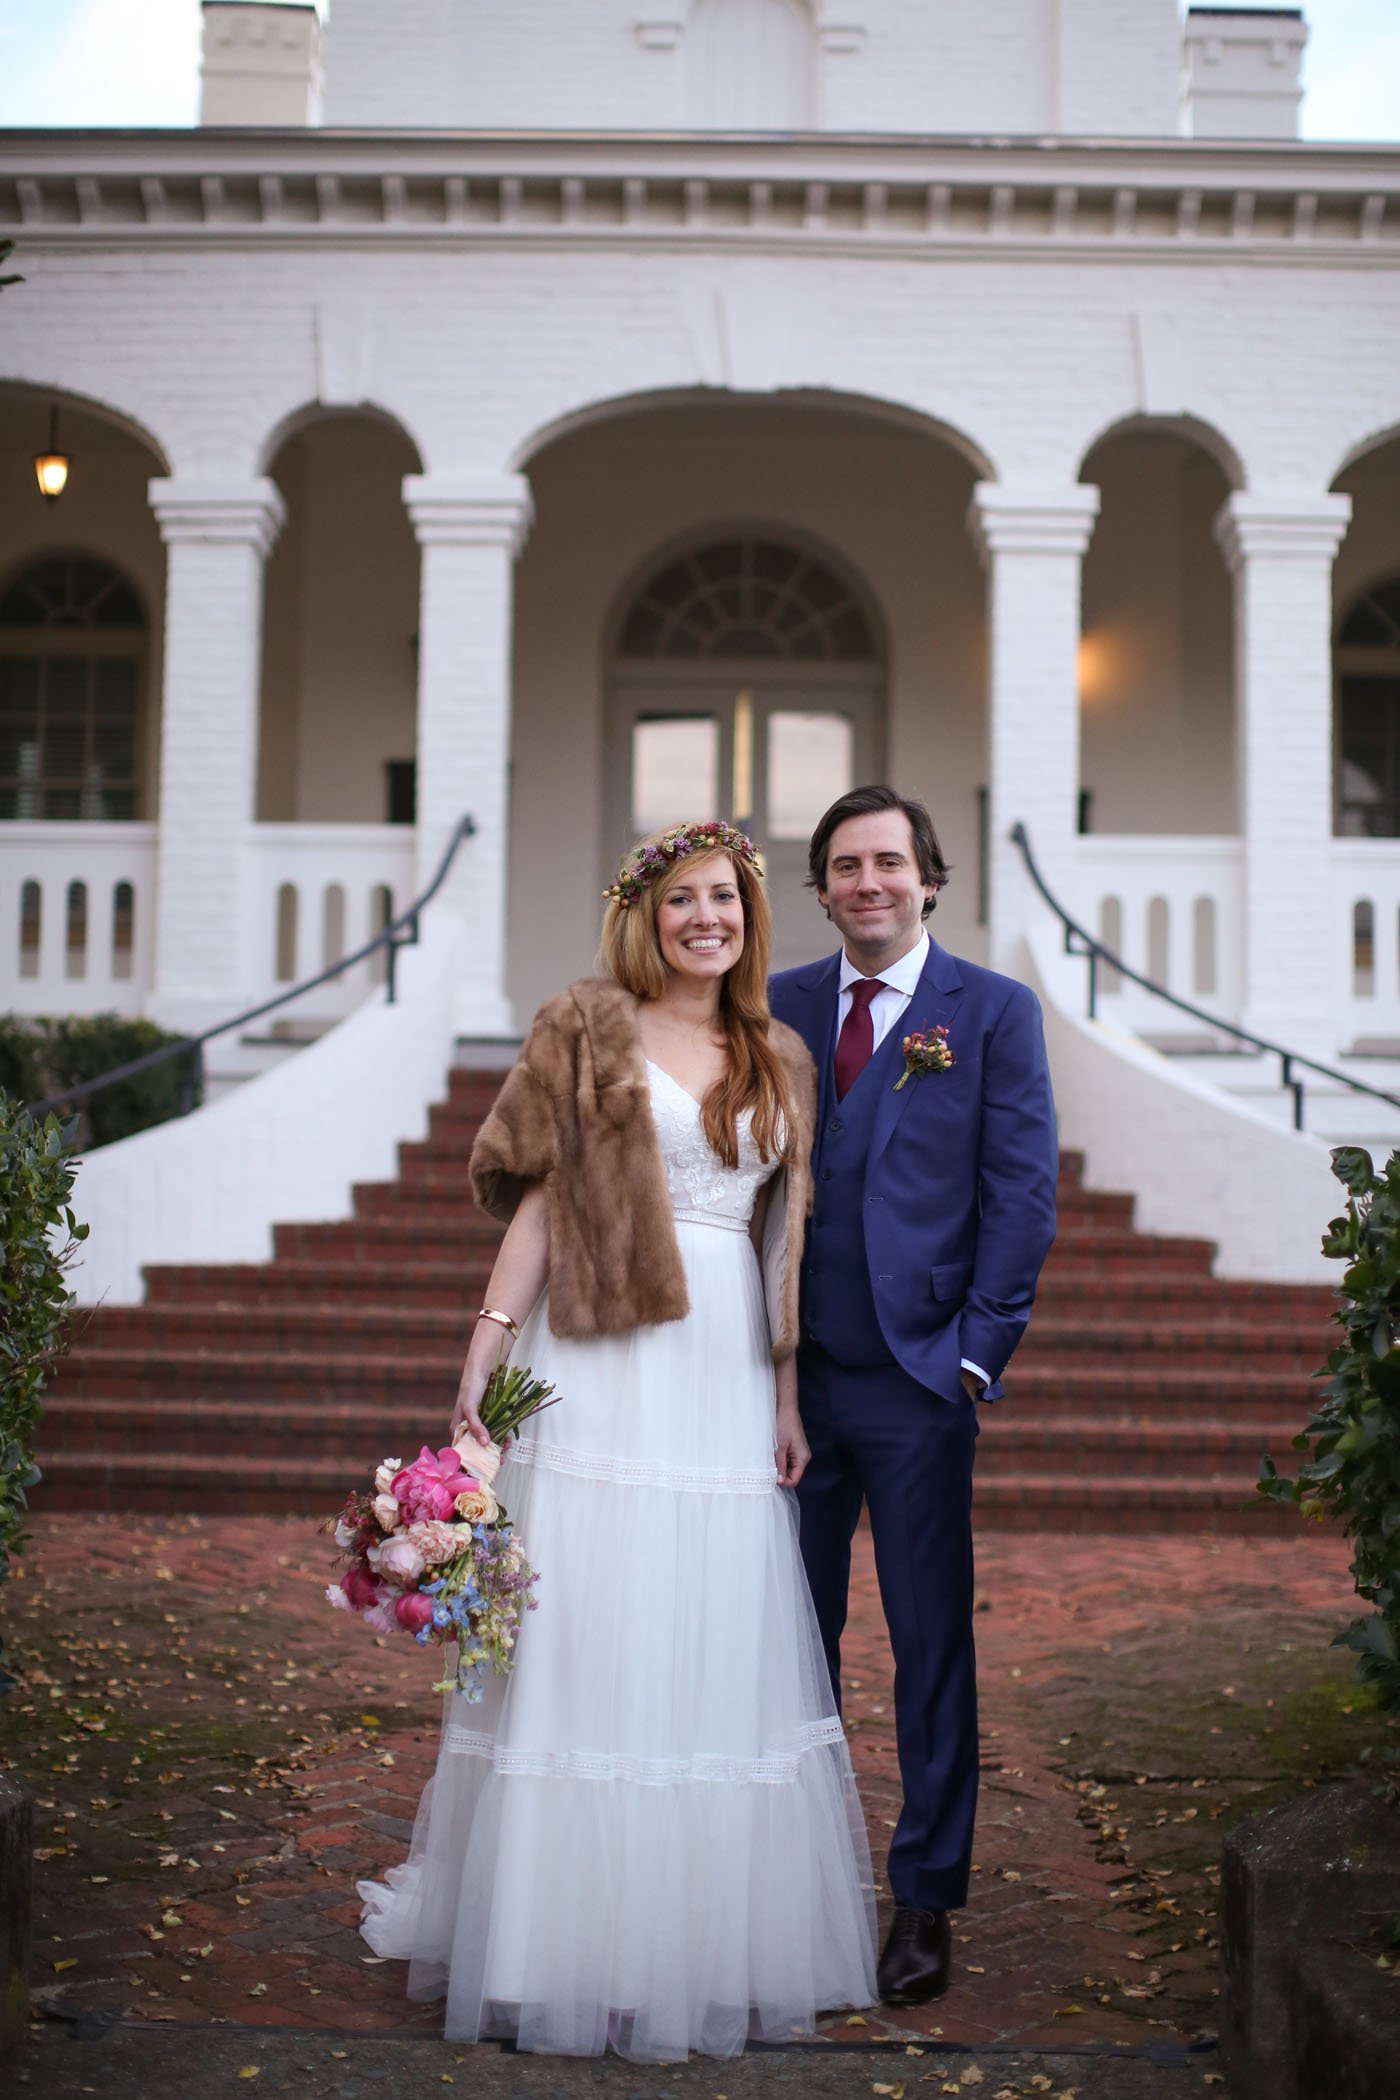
[[926, 1050]]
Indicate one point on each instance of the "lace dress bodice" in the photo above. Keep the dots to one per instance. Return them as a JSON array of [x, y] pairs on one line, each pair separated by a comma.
[[702, 1189]]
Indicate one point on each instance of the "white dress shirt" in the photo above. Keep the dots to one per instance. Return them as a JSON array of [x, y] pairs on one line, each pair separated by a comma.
[[898, 984]]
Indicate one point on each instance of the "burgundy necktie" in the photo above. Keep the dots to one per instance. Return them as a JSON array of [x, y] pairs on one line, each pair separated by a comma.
[[855, 1046]]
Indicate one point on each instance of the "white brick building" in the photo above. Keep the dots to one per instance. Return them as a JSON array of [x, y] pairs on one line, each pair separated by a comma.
[[587, 408]]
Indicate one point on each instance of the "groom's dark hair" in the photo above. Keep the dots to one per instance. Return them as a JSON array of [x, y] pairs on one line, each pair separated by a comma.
[[868, 802]]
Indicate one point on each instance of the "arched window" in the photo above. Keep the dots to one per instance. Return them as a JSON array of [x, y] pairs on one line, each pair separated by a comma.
[[1368, 706], [751, 599], [72, 650], [749, 65]]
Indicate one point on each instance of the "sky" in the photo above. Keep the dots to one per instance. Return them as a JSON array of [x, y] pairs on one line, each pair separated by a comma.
[[136, 62]]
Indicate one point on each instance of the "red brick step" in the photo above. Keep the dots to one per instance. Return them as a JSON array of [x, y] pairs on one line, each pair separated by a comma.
[[1144, 1395]]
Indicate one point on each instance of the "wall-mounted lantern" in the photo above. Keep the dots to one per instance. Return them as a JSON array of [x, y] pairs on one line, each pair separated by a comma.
[[51, 467]]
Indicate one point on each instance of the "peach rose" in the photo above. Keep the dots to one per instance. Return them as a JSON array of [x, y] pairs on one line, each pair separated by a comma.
[[477, 1505]]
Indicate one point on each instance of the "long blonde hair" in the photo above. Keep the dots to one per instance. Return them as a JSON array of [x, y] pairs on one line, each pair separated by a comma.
[[754, 1078]]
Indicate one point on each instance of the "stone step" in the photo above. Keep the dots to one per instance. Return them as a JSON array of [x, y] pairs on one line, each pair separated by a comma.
[[410, 1231], [204, 1483], [1051, 1502], [213, 1377], [358, 1434], [1100, 1446], [386, 1239], [434, 1170], [202, 1323], [448, 1285], [442, 1186]]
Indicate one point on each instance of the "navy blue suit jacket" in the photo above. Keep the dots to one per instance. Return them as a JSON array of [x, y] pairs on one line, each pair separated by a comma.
[[960, 1176]]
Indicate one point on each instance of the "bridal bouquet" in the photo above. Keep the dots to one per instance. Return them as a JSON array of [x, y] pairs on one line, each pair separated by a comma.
[[431, 1552]]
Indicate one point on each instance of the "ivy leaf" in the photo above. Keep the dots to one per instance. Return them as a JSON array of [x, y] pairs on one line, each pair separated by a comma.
[[1352, 1166]]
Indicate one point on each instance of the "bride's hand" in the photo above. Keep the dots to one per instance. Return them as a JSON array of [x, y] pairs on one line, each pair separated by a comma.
[[465, 1419], [792, 1450]]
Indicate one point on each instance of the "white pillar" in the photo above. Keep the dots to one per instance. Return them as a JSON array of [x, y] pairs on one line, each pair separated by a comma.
[[1280, 550], [469, 531], [1032, 541], [217, 536]]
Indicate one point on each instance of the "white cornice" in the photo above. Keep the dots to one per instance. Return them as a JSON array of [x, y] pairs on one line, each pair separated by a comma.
[[1174, 198]]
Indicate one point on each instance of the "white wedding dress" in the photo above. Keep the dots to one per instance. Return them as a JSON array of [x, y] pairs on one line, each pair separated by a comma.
[[648, 1835]]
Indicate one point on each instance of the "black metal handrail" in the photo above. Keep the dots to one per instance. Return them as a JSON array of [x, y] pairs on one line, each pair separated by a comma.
[[1079, 941], [400, 932]]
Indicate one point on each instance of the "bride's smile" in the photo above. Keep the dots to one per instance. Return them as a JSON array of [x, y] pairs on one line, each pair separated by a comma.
[[700, 923]]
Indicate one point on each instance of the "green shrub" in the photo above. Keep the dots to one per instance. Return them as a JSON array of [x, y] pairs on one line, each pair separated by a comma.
[[1354, 1437], [38, 1058], [39, 1237]]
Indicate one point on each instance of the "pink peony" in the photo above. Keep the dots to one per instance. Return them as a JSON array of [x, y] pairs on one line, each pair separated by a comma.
[[428, 1487], [360, 1587], [399, 1560], [414, 1611]]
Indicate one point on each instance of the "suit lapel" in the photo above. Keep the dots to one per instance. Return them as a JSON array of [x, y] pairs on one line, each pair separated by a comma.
[[935, 1002], [816, 1024]]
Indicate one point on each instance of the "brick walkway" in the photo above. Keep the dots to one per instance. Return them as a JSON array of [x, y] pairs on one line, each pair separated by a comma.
[[211, 1779]]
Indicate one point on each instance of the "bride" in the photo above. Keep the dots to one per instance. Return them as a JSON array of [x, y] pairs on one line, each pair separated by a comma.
[[648, 1835]]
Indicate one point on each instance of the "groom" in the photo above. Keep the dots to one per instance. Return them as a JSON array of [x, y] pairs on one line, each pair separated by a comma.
[[935, 1208]]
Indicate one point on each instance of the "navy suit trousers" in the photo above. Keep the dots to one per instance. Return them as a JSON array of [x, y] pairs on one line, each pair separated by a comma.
[[879, 1437]]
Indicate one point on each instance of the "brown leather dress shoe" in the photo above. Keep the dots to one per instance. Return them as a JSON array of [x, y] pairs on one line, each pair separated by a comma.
[[918, 1957]]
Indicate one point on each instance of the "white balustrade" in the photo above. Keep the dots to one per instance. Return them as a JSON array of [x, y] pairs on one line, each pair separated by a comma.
[[316, 893], [1171, 908], [1365, 922], [77, 917], [77, 913]]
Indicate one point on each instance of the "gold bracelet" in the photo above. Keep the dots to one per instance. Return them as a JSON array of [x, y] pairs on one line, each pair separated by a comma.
[[501, 1319]]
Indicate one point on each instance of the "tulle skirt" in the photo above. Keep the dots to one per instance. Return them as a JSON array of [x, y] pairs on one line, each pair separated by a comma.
[[648, 1836]]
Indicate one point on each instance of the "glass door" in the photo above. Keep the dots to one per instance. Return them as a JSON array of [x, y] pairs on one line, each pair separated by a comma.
[[770, 752]]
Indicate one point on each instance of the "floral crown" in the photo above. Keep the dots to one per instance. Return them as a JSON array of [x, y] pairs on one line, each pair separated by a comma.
[[641, 868]]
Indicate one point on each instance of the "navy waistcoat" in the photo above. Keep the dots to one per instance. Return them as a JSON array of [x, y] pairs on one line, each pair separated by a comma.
[[838, 1304]]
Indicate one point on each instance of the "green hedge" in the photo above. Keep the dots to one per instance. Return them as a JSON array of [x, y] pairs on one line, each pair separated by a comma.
[[39, 1237], [1352, 1468], [38, 1058]]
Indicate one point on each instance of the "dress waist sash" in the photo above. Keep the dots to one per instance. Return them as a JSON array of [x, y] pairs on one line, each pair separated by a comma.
[[710, 1217]]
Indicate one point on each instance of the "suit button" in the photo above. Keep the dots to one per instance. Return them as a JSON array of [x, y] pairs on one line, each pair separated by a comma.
[[835, 1126], [826, 1174]]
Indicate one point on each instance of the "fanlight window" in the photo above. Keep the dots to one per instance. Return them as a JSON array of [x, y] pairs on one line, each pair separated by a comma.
[[1374, 621], [72, 641], [747, 599]]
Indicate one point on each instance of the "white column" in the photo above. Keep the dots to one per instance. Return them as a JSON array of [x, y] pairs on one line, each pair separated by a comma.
[[470, 531], [1032, 541], [217, 536], [1280, 550]]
